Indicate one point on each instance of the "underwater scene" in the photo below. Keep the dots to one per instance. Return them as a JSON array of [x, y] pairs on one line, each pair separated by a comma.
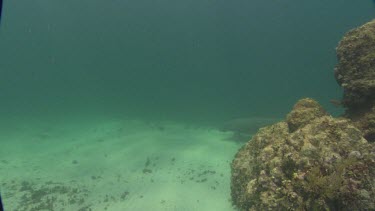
[[187, 105]]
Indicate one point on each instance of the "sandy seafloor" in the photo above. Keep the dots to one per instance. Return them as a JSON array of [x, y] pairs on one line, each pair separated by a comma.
[[105, 163]]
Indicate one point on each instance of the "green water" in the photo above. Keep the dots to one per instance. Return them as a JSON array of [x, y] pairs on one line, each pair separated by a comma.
[[73, 73], [206, 60]]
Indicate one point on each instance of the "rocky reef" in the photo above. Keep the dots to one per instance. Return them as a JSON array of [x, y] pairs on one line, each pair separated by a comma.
[[314, 163], [355, 73], [311, 160]]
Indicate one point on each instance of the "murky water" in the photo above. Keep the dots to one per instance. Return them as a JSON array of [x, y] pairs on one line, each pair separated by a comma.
[[140, 105]]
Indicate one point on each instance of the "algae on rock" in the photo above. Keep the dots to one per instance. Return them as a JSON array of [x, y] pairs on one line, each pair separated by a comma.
[[323, 165], [355, 72], [313, 161]]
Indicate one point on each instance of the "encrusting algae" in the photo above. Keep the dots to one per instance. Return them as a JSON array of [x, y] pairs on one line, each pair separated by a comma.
[[313, 161]]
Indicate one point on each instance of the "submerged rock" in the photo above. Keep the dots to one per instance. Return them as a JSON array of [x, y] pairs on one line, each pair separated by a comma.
[[312, 161], [322, 163], [355, 71], [304, 112], [356, 74], [364, 119]]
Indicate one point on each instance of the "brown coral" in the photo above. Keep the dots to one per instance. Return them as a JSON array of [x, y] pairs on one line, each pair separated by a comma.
[[304, 111], [323, 164], [356, 69], [356, 74], [313, 161]]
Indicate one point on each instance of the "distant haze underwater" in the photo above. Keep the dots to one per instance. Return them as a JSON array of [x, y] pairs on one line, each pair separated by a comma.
[[141, 105], [203, 61]]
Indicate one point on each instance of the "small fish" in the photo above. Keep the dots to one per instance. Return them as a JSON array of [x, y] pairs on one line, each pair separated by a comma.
[[247, 125], [1, 203], [244, 128], [1, 8], [336, 103]]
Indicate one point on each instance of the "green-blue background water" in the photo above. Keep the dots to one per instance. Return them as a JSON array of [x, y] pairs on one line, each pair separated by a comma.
[[206, 60], [134, 104]]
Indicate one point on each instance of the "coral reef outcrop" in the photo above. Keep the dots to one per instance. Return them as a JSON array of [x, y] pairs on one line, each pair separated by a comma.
[[303, 113], [364, 119], [313, 161], [355, 73], [322, 164]]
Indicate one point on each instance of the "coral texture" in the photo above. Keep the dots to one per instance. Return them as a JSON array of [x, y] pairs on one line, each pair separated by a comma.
[[364, 119], [356, 74], [323, 163], [355, 71], [303, 113], [312, 161]]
